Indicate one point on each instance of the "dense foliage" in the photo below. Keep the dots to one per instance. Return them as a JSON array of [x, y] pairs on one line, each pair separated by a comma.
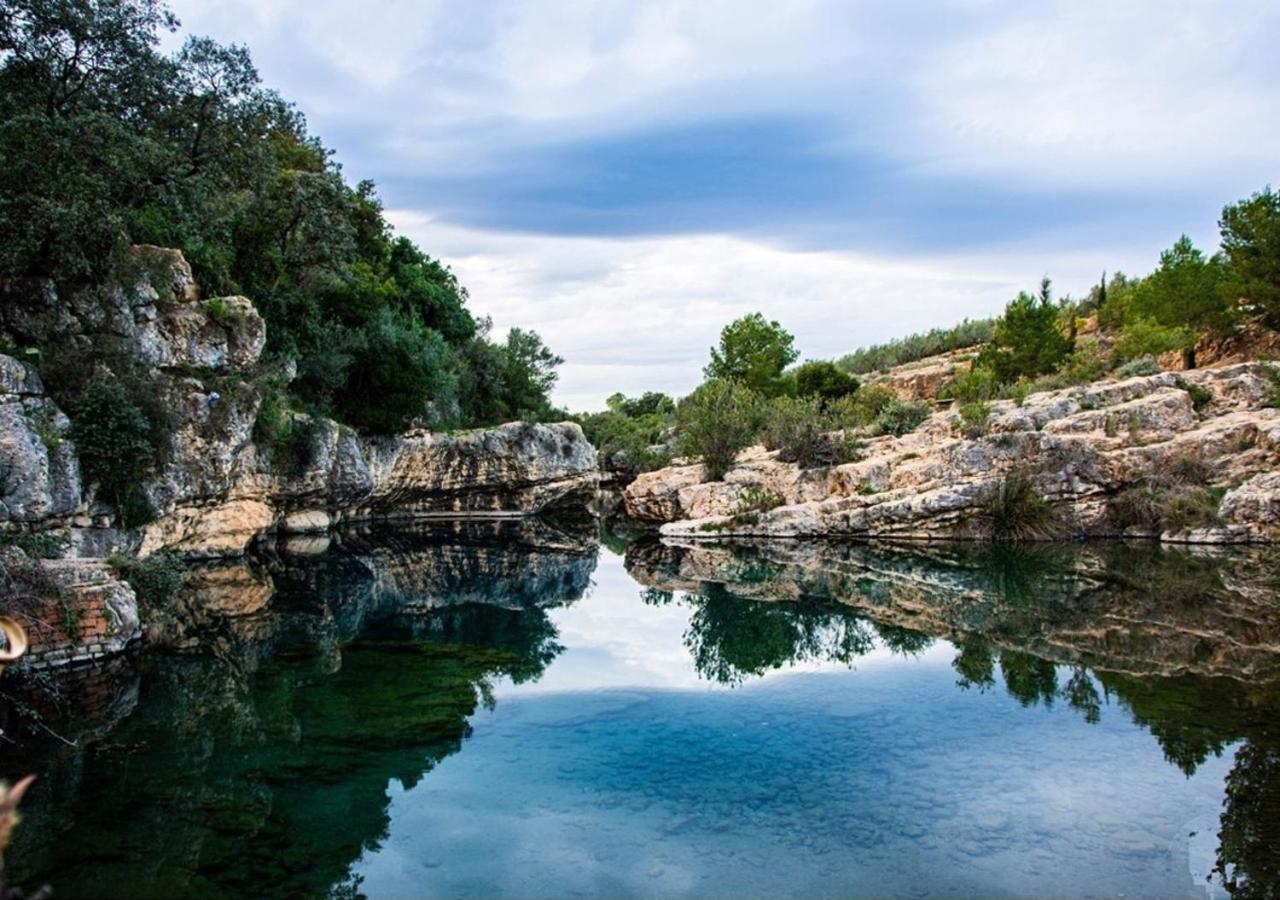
[[1027, 340], [715, 422], [754, 352], [106, 142], [878, 357]]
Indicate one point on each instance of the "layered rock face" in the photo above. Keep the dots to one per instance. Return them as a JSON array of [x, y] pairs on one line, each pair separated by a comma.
[[215, 490], [1082, 449]]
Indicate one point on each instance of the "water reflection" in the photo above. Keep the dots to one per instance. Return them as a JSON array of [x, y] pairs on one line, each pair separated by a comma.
[[336, 678], [1084, 627]]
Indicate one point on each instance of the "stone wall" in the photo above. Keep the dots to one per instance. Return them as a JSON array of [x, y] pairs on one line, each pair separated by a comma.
[[95, 617]]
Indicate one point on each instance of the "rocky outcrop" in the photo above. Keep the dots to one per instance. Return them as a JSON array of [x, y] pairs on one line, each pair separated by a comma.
[[39, 472], [1082, 448], [215, 490]]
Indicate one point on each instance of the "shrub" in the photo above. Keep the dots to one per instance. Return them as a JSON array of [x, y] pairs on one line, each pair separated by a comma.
[[114, 438], [797, 428], [1014, 510], [715, 422], [222, 312], [1020, 390], [1272, 399], [902, 416], [1142, 365], [974, 419], [861, 409], [1174, 497], [824, 381], [757, 500], [1145, 337], [1086, 363], [156, 580], [971, 386], [1200, 396]]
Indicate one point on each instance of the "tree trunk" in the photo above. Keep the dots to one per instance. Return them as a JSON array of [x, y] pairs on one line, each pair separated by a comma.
[[1189, 358]]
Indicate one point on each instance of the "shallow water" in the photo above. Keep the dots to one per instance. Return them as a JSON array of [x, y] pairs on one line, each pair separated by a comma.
[[516, 711]]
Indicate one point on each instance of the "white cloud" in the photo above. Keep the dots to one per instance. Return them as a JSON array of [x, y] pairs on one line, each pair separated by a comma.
[[640, 314]]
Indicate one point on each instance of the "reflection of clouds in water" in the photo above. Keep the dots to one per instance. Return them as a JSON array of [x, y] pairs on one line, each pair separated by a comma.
[[613, 640]]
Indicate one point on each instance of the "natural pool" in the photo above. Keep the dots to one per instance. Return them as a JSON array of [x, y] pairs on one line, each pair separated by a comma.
[[521, 710]]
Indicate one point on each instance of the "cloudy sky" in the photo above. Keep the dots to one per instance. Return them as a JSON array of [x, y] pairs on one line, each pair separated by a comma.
[[628, 177]]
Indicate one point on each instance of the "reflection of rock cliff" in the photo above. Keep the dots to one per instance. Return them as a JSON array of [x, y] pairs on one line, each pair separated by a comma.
[[1125, 608], [279, 743], [1188, 645]]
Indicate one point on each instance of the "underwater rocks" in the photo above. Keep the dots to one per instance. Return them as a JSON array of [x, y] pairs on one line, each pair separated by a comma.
[[1082, 449]]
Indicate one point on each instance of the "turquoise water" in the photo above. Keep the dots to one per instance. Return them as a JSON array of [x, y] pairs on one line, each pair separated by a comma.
[[507, 713]]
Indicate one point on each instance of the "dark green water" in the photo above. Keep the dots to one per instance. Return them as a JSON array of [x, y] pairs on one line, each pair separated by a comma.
[[526, 712]]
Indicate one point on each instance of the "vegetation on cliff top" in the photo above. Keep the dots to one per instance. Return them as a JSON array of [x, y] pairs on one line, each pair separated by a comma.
[[814, 413], [106, 142]]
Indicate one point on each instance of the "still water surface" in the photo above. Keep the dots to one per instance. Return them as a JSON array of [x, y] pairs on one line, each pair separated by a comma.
[[525, 712]]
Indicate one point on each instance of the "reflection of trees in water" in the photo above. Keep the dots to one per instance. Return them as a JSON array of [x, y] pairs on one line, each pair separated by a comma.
[[732, 638], [266, 774], [1182, 641]]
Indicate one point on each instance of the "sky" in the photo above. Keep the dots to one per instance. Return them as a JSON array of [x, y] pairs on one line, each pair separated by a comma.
[[627, 178]]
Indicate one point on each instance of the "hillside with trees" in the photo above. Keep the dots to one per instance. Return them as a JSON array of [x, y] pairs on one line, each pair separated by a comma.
[[106, 142]]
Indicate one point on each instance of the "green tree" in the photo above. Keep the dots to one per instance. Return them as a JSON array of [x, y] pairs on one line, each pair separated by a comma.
[[753, 351], [1184, 293], [400, 364], [1027, 340], [715, 422], [529, 373], [1251, 242], [823, 380]]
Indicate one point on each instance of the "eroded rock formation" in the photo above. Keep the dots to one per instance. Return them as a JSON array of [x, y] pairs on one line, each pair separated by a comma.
[[1081, 447], [215, 490]]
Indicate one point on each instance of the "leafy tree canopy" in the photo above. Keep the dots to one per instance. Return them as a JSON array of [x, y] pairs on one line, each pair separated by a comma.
[[106, 142], [754, 352], [1028, 340]]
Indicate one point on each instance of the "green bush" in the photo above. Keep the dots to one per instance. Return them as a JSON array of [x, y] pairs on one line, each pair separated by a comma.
[[1142, 336], [1142, 365], [902, 416], [114, 438], [975, 419], [975, 385], [715, 422], [1014, 510], [805, 433], [824, 381], [1201, 397], [156, 580]]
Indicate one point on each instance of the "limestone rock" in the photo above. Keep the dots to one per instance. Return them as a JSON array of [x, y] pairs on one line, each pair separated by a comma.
[[1081, 446], [39, 471]]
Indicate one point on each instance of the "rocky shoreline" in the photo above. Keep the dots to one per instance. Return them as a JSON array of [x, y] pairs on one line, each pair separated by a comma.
[[1206, 439]]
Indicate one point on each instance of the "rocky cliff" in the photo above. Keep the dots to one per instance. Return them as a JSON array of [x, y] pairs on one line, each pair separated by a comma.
[[215, 489], [1107, 457]]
